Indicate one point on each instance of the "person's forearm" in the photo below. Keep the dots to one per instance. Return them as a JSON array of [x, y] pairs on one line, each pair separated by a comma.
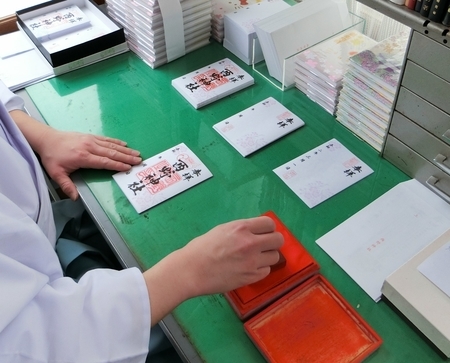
[[168, 285], [33, 130]]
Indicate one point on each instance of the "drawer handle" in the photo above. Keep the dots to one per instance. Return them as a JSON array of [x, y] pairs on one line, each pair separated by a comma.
[[439, 160], [431, 182], [446, 135]]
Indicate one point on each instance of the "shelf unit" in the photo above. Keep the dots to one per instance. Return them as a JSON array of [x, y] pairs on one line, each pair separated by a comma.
[[418, 139], [412, 19]]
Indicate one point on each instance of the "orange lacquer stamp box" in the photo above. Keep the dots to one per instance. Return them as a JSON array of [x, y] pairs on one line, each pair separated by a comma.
[[296, 267], [312, 323]]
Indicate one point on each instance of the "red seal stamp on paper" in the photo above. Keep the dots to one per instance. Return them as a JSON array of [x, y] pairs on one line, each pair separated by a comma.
[[158, 177]]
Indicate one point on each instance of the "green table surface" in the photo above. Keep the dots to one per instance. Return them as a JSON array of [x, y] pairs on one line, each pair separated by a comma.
[[123, 97]]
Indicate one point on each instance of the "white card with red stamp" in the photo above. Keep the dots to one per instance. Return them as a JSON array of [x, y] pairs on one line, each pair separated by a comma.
[[258, 126], [161, 177], [322, 172], [213, 82]]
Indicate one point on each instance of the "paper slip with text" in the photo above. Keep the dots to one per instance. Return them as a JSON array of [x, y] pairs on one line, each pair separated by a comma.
[[162, 177], [322, 172], [213, 82], [258, 125], [58, 23], [380, 238]]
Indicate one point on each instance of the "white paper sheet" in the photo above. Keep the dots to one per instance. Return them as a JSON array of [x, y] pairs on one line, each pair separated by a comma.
[[436, 268], [322, 172], [380, 238], [161, 177], [258, 125]]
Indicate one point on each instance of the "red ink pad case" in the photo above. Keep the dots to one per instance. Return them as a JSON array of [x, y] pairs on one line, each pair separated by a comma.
[[300, 265], [312, 323]]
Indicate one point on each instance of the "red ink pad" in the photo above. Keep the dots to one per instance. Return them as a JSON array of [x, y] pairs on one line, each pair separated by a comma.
[[298, 266], [312, 323]]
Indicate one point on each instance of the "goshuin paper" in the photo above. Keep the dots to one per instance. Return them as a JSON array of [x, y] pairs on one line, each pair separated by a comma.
[[258, 125], [322, 172], [58, 23], [161, 177], [212, 82]]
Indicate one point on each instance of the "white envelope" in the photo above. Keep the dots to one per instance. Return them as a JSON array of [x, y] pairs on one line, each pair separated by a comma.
[[322, 172], [258, 125]]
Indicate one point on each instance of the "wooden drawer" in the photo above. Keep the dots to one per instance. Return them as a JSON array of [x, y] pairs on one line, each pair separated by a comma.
[[429, 54], [421, 141], [424, 114], [427, 85], [417, 167]]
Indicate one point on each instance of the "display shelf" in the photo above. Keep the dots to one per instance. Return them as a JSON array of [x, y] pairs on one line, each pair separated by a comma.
[[411, 18]]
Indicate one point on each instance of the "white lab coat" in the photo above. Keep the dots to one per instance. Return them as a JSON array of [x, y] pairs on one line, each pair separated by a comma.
[[45, 317]]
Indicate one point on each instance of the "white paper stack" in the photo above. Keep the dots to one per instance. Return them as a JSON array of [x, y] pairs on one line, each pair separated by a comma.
[[160, 32], [240, 33], [297, 28], [222, 7], [425, 302], [369, 87], [213, 82], [258, 126], [319, 70], [17, 53]]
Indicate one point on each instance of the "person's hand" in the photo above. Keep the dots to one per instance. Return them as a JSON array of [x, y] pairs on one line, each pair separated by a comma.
[[233, 254], [64, 152], [229, 256]]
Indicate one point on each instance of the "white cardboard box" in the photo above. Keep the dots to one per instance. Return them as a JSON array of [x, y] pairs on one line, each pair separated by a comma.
[[239, 33], [419, 299]]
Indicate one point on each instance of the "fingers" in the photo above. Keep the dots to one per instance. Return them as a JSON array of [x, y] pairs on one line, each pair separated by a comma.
[[268, 258], [108, 153], [67, 186], [269, 241], [116, 150], [261, 225]]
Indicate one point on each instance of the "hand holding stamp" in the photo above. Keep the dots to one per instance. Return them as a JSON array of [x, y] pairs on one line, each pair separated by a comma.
[[229, 256]]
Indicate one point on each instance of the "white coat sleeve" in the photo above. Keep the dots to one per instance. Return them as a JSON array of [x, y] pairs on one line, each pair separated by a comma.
[[9, 99], [46, 317]]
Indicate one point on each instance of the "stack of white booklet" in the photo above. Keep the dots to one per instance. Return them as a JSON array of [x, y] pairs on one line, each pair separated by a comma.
[[222, 7], [162, 177], [258, 126], [369, 86], [420, 289], [292, 30], [17, 53], [161, 31], [240, 33], [213, 82], [319, 70]]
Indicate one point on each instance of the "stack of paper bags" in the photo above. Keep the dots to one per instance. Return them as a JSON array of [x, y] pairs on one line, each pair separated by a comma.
[[292, 30], [160, 32], [240, 33], [319, 70], [369, 88], [222, 7]]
